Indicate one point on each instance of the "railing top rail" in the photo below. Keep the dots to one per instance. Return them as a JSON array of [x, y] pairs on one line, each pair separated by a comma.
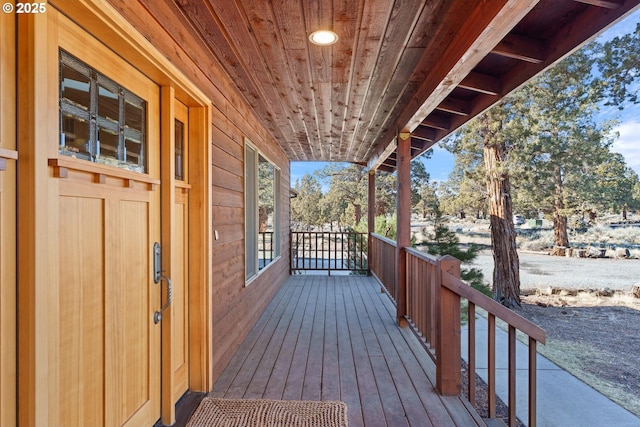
[[384, 239], [493, 307], [431, 259]]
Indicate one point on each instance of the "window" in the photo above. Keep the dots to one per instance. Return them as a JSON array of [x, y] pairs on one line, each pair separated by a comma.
[[262, 188], [100, 121]]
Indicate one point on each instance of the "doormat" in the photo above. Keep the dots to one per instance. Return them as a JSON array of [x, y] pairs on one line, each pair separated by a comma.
[[268, 413]]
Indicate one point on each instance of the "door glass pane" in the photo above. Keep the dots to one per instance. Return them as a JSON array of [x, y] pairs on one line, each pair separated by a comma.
[[179, 150], [107, 150], [74, 87], [75, 139], [100, 120], [134, 116], [108, 103], [75, 116]]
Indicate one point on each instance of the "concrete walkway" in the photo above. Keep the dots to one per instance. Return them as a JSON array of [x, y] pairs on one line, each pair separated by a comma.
[[563, 400]]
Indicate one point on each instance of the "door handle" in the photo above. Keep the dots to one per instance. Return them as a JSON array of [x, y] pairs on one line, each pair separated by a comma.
[[157, 316]]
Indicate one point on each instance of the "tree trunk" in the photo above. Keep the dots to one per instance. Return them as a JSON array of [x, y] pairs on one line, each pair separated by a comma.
[[559, 218], [358, 213], [506, 271]]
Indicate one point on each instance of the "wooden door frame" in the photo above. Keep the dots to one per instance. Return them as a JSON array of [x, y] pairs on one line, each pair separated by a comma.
[[197, 146], [38, 399], [8, 157]]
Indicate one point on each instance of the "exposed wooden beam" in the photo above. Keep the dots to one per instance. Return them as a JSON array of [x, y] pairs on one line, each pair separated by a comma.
[[482, 83], [608, 4], [565, 42], [388, 169], [424, 133], [487, 24], [451, 105], [421, 146], [485, 27], [522, 48], [379, 159], [437, 122]]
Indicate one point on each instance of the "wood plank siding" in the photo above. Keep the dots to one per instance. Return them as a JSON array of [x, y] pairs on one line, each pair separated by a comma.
[[335, 338]]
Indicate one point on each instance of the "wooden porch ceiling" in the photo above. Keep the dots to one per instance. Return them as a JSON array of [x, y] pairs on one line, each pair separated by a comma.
[[428, 66]]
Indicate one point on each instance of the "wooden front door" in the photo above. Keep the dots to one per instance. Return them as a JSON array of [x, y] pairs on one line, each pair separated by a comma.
[[109, 345], [106, 224]]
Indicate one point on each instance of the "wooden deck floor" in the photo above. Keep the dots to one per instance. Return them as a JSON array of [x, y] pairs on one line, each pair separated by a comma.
[[334, 338]]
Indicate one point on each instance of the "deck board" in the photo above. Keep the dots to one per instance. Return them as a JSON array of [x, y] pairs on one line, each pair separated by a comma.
[[335, 338]]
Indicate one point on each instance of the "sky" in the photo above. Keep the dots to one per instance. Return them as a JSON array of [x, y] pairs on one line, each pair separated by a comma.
[[441, 162]]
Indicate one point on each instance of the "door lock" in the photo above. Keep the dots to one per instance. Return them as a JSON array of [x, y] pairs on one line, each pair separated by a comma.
[[158, 278]]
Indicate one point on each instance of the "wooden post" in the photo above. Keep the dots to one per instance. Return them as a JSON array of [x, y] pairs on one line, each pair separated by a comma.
[[403, 223], [448, 352], [371, 216]]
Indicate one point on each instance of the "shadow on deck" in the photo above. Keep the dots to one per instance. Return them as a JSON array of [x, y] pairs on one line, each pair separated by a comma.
[[335, 338]]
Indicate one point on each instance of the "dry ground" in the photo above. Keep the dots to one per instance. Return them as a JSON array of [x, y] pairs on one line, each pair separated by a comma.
[[595, 338]]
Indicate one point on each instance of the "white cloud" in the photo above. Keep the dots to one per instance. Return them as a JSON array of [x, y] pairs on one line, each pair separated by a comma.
[[628, 144]]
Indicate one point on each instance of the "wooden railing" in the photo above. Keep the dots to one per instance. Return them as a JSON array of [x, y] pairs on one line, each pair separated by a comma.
[[383, 262], [434, 294], [329, 251]]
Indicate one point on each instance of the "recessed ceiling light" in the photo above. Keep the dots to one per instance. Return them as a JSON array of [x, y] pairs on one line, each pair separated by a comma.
[[323, 37]]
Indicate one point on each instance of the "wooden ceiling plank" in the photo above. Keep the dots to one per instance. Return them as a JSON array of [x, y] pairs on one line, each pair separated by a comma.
[[398, 83], [268, 33], [295, 64], [366, 47], [243, 66], [319, 15], [189, 48], [522, 48], [345, 14], [401, 20]]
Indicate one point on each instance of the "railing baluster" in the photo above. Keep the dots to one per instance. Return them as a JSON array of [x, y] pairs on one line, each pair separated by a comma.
[[533, 397], [512, 376], [471, 324], [491, 364]]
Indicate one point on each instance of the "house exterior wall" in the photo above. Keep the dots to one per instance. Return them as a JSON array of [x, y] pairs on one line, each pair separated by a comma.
[[170, 57]]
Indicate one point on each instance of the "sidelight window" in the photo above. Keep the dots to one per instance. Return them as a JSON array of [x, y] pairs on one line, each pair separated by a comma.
[[100, 121]]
